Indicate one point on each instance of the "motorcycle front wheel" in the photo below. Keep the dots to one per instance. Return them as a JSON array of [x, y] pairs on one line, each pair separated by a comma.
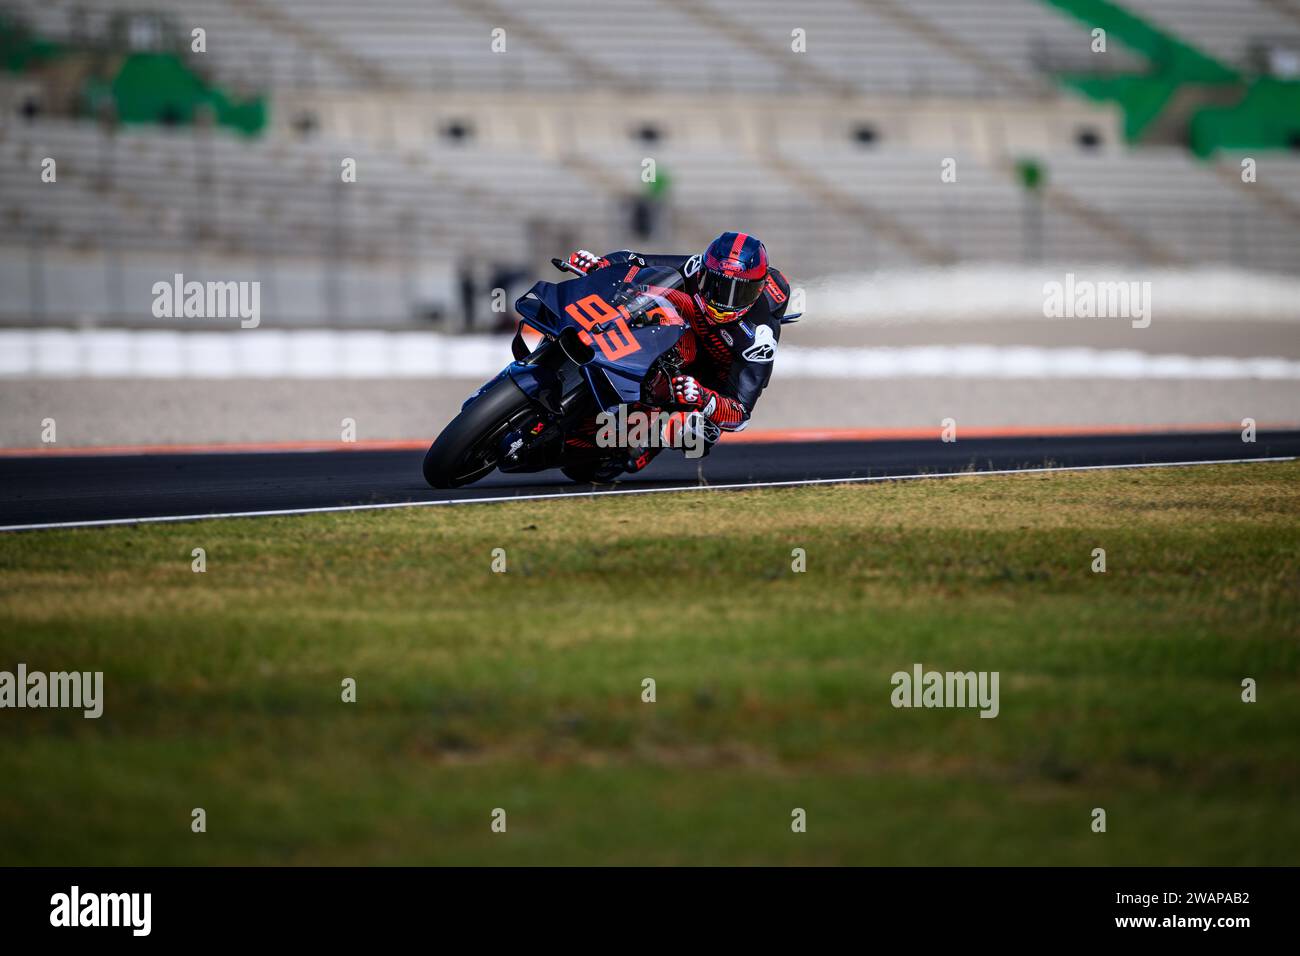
[[470, 446]]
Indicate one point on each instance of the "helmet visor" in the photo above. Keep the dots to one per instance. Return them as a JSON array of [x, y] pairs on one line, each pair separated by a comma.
[[729, 294]]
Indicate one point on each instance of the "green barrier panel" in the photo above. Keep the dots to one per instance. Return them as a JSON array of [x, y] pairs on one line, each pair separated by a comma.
[[148, 88], [1266, 117], [161, 88], [1142, 98], [20, 51], [1168, 54]]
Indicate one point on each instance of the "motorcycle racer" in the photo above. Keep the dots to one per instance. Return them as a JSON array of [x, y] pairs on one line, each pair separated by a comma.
[[733, 301]]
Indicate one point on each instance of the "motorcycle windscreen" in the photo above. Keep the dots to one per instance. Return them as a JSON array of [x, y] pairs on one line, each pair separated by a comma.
[[536, 306], [627, 322]]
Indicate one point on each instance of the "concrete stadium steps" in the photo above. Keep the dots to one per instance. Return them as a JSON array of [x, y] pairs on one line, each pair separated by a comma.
[[1223, 29], [976, 216], [833, 209], [291, 44], [804, 230], [856, 45], [241, 51], [1278, 174], [917, 46], [286, 196], [1013, 32], [650, 47], [806, 224], [1180, 205], [425, 45], [655, 45]]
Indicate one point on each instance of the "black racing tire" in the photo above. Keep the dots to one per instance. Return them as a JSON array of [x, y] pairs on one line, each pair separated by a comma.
[[469, 447]]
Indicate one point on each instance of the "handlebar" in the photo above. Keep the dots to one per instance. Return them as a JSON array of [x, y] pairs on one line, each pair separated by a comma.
[[564, 266]]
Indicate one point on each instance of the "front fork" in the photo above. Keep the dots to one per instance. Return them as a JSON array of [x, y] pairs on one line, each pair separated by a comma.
[[559, 397]]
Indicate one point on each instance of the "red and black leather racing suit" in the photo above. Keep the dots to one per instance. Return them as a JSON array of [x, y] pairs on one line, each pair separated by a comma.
[[733, 362]]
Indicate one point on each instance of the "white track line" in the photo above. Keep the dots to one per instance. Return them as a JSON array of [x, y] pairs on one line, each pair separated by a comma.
[[625, 491]]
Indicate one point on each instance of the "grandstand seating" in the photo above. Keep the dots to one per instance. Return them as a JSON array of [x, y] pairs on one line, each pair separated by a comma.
[[148, 188], [1184, 205], [159, 186], [921, 46], [954, 47], [786, 168], [1224, 29]]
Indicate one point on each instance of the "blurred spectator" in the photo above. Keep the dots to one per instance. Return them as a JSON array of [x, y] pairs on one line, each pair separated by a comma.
[[466, 286], [647, 209]]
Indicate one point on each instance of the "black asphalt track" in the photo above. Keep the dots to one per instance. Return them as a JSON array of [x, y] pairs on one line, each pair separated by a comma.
[[56, 489]]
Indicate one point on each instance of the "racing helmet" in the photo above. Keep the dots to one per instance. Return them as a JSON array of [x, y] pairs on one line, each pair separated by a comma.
[[732, 272]]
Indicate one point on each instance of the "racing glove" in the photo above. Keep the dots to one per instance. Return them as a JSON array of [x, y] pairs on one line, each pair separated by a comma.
[[718, 409], [687, 391], [585, 261]]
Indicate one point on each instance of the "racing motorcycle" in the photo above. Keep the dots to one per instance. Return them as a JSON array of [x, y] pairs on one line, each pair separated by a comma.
[[605, 339], [586, 345]]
